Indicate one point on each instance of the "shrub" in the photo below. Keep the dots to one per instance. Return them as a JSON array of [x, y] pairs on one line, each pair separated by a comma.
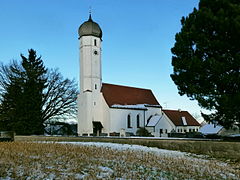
[[213, 136], [143, 132], [194, 135]]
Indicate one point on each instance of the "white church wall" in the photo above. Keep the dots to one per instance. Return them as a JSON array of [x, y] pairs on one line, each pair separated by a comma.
[[97, 110], [92, 107], [105, 116], [84, 112], [119, 118]]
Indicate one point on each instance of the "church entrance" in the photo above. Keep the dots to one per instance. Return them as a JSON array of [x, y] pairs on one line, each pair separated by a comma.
[[97, 128]]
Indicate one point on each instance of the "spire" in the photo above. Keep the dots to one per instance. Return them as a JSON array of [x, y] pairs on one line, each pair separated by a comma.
[[90, 14]]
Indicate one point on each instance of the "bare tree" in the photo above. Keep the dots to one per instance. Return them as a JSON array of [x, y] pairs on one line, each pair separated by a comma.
[[60, 96]]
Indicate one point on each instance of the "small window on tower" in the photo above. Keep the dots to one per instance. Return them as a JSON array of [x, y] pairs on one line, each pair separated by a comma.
[[95, 86], [95, 42]]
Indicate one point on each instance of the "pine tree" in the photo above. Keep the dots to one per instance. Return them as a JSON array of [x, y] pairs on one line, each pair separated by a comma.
[[11, 99], [34, 84], [21, 107], [206, 59]]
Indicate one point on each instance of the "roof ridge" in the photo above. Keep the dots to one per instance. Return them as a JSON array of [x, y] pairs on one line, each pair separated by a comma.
[[174, 110], [127, 86]]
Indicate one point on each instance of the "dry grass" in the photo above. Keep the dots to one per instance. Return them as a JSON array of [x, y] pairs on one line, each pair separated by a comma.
[[226, 151], [19, 160]]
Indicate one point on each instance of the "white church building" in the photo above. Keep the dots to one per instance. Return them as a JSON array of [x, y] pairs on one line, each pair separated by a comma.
[[108, 109]]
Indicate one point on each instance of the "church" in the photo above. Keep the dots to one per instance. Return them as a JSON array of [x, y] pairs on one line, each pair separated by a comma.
[[109, 109]]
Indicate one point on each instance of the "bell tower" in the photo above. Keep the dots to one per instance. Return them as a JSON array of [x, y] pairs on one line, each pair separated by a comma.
[[89, 103], [90, 36]]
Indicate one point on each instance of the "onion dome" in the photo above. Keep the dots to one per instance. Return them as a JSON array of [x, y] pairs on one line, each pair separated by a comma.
[[90, 28]]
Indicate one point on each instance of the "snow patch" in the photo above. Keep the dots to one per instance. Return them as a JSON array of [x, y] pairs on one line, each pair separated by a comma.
[[104, 172], [121, 147], [134, 106]]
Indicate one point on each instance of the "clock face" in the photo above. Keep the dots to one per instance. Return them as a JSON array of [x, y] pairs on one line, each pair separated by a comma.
[[95, 52]]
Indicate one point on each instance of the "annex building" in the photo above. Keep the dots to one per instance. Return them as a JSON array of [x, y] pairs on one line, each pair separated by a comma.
[[109, 109]]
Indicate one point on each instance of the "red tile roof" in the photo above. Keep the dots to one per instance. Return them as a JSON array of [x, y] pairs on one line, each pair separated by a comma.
[[176, 117], [124, 95]]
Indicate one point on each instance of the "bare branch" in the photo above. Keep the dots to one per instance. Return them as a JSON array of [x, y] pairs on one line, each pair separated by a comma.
[[59, 96]]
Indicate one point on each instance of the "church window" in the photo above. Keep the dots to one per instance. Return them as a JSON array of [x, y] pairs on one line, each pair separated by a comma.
[[166, 131], [129, 121], [94, 103], [161, 131], [138, 121], [95, 42], [95, 86]]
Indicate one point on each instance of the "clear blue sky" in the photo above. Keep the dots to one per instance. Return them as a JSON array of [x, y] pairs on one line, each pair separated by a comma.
[[137, 38]]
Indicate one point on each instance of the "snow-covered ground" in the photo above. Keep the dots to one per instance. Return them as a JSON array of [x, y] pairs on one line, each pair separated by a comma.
[[196, 159], [97, 160], [122, 147]]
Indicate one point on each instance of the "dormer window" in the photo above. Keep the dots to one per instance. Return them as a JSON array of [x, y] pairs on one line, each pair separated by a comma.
[[184, 121]]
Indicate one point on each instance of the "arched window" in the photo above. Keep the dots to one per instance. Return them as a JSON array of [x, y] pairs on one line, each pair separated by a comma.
[[138, 121], [129, 121]]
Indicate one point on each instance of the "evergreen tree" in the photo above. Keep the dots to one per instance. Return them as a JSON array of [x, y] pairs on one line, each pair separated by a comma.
[[12, 91], [34, 84], [206, 59]]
